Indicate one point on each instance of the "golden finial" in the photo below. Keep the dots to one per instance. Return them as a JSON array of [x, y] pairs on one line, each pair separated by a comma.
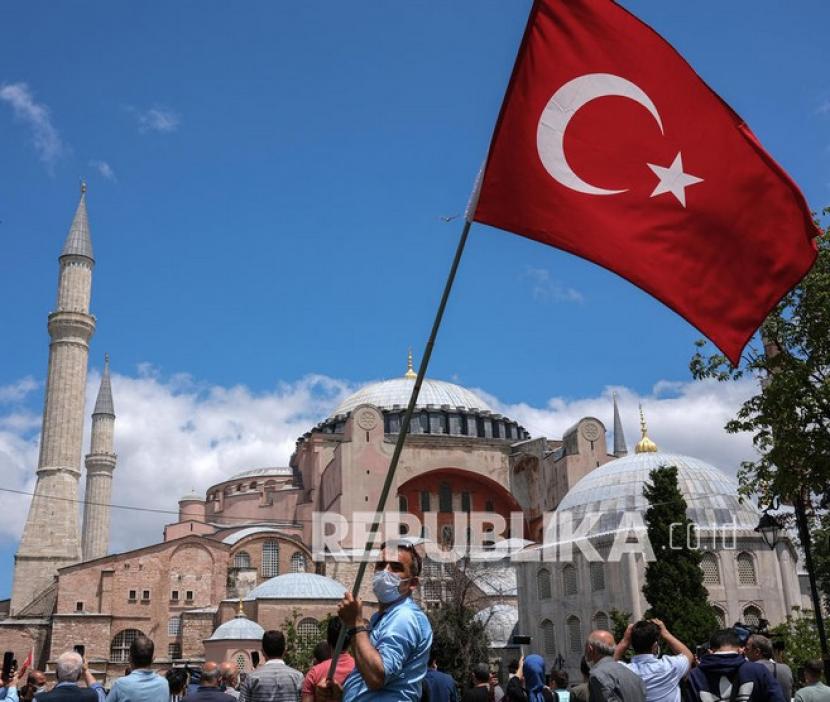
[[410, 371], [107, 358], [644, 445], [83, 186], [240, 612]]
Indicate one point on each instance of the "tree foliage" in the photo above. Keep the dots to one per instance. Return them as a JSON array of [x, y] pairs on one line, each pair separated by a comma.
[[299, 648], [789, 417], [821, 557], [674, 580], [459, 639], [800, 638]]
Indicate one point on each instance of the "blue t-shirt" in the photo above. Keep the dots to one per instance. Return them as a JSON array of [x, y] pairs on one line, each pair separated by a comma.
[[402, 635]]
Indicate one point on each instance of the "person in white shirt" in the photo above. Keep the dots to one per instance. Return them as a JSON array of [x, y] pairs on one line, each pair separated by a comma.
[[661, 676]]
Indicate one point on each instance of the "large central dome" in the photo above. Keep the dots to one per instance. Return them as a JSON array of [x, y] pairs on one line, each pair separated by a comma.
[[396, 392]]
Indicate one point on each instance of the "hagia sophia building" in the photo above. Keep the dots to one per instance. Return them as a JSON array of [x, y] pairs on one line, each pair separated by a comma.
[[240, 558]]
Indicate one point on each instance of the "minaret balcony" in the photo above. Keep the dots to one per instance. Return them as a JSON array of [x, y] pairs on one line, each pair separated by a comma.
[[71, 326]]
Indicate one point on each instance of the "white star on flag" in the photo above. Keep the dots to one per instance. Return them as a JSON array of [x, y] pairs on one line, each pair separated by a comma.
[[673, 180]]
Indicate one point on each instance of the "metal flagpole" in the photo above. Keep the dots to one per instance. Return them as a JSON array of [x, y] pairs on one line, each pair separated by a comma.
[[410, 408]]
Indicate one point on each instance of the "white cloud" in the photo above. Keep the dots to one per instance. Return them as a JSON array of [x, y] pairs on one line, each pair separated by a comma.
[[19, 390], [823, 108], [36, 116], [175, 435], [156, 119], [104, 169], [546, 289]]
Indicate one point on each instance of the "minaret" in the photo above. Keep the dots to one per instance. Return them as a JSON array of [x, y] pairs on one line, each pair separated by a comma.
[[50, 538], [620, 449], [100, 463]]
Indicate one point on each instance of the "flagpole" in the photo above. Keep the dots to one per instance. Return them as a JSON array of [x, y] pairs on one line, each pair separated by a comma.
[[407, 418]]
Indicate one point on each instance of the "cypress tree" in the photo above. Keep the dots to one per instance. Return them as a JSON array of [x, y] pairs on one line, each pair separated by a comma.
[[674, 580]]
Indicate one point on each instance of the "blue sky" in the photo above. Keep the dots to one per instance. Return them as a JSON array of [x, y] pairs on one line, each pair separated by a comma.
[[267, 180]]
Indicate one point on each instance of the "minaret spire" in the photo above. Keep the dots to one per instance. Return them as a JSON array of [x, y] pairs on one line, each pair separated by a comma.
[[100, 464], [410, 370], [620, 449], [644, 445], [51, 539]]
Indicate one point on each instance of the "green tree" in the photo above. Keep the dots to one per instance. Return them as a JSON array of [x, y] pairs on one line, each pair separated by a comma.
[[789, 416], [459, 639], [800, 638], [674, 580], [299, 648], [619, 622]]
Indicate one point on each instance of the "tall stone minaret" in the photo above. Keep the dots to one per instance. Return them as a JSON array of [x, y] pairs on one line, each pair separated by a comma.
[[50, 538], [620, 448], [100, 463]]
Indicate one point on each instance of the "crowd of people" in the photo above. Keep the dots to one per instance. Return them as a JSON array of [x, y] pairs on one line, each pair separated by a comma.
[[389, 658]]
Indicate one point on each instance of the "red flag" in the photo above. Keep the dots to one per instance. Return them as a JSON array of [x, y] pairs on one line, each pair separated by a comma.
[[611, 147]]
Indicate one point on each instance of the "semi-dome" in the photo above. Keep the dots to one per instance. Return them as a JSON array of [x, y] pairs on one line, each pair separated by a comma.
[[238, 628], [500, 621], [617, 487], [395, 392], [262, 473], [298, 586]]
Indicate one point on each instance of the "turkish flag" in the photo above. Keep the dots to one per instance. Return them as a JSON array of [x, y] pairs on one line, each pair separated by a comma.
[[610, 146]]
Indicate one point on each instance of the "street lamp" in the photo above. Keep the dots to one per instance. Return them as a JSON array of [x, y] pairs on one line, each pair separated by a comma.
[[769, 527]]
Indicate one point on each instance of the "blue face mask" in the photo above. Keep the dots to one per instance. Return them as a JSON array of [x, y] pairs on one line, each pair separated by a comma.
[[386, 586]]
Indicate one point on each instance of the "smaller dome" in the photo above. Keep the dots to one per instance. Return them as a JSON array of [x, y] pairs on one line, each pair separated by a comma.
[[644, 445], [298, 586], [274, 472], [192, 497], [238, 628], [500, 621]]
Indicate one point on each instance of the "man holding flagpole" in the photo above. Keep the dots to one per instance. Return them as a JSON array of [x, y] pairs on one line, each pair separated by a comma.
[[391, 650]]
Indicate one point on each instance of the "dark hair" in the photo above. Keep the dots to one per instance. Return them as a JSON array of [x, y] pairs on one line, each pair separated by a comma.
[[513, 666], [724, 637], [141, 652], [481, 672], [779, 645], [762, 643], [333, 631], [433, 655], [560, 679], [273, 643], [644, 635], [411, 550], [176, 680], [815, 667], [322, 651], [584, 668]]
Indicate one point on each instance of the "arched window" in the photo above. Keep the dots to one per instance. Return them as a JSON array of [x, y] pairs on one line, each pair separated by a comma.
[[298, 562], [601, 621], [403, 504], [241, 559], [569, 586], [720, 616], [120, 646], [711, 571], [444, 498], [270, 558], [447, 535], [548, 637], [575, 642], [752, 615], [543, 584], [597, 576], [174, 626], [308, 630], [241, 662], [746, 569]]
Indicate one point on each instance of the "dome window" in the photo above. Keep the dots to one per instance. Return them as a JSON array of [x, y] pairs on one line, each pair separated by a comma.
[[444, 498], [270, 558], [298, 564], [711, 571], [120, 646], [174, 626], [548, 637], [543, 584], [746, 569], [241, 559], [574, 634]]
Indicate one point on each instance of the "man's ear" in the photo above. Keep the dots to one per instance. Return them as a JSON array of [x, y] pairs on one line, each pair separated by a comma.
[[414, 581]]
